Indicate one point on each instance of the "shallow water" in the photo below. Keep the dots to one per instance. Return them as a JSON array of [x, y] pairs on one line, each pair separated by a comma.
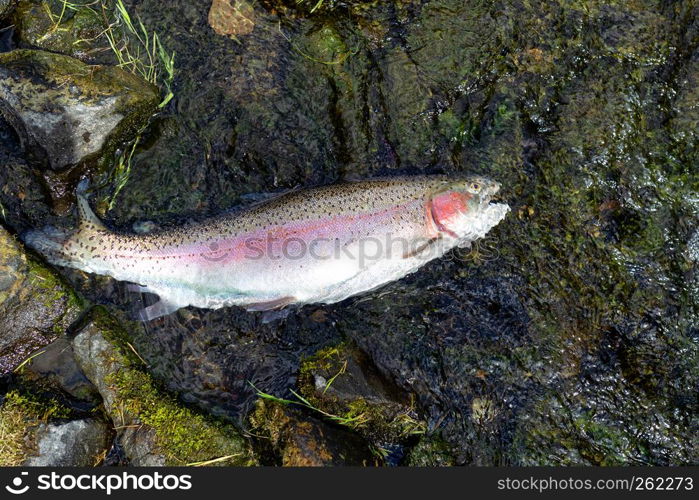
[[570, 335]]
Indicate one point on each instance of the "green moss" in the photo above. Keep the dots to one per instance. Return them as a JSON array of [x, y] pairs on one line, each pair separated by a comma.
[[36, 406], [183, 436], [323, 360], [21, 412], [269, 419], [49, 288]]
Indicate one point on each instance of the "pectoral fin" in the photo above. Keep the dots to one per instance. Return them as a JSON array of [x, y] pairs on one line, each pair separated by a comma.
[[421, 248]]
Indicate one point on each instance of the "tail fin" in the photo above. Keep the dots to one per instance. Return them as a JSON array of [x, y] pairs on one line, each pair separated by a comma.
[[88, 219], [51, 243], [68, 248]]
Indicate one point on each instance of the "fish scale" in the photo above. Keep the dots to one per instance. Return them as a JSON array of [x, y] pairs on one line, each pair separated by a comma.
[[245, 257]]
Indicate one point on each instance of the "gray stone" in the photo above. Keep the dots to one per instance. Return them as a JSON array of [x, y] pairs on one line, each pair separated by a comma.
[[78, 443], [139, 444], [66, 111]]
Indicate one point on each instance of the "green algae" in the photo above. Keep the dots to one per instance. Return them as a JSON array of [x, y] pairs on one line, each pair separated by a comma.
[[51, 288], [431, 451], [301, 441]]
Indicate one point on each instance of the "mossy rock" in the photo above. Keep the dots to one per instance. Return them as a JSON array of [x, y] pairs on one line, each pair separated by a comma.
[[301, 441], [47, 25], [36, 306], [154, 427], [65, 111], [342, 381]]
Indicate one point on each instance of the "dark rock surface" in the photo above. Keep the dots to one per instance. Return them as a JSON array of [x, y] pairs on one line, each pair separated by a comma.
[[57, 368], [6, 7]]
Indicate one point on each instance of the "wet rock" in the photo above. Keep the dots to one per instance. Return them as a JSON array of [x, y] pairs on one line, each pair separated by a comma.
[[448, 345], [310, 7], [13, 268], [6, 7], [56, 367], [693, 247], [78, 443], [35, 306], [73, 32], [303, 441], [153, 428], [431, 451], [232, 18], [65, 111], [342, 381], [346, 373]]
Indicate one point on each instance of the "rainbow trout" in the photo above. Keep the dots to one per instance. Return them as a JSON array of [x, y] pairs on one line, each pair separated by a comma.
[[317, 245]]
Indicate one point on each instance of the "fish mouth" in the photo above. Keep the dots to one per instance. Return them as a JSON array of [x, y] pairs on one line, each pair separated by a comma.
[[491, 199], [493, 195]]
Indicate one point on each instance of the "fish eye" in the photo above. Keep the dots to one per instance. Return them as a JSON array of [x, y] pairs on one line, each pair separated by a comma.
[[475, 187]]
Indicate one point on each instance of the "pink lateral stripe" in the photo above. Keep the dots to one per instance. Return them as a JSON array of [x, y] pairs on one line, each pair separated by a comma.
[[232, 249]]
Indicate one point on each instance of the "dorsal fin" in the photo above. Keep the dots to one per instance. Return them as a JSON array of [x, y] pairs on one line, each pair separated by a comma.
[[87, 218]]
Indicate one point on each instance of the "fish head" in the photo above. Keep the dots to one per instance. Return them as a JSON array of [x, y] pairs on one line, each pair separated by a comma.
[[465, 209]]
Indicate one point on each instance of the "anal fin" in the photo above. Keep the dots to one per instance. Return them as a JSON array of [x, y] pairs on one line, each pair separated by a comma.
[[274, 315], [160, 308], [132, 287], [270, 305]]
